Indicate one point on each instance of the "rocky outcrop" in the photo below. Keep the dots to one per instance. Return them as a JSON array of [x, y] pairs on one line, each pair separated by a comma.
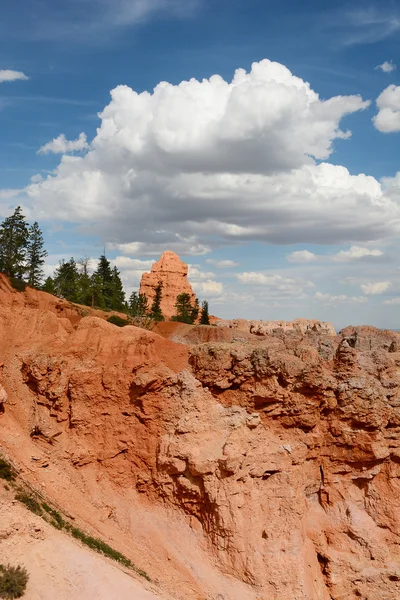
[[172, 273], [282, 451], [263, 328]]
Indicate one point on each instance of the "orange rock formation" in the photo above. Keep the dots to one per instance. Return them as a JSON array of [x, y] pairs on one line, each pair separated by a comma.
[[172, 272], [278, 453]]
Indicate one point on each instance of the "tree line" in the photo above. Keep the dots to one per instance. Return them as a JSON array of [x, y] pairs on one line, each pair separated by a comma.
[[22, 257]]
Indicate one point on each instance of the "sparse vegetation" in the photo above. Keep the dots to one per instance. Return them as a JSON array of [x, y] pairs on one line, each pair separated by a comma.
[[54, 518], [6, 471], [30, 502], [13, 581]]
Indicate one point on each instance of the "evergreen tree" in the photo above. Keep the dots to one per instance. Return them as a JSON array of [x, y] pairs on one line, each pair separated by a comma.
[[138, 305], [49, 286], [66, 280], [117, 291], [105, 276], [35, 255], [14, 238], [156, 312], [195, 311], [204, 317], [84, 282], [185, 312], [96, 291]]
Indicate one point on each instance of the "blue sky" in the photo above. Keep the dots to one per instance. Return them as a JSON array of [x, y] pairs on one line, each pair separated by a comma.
[[254, 172]]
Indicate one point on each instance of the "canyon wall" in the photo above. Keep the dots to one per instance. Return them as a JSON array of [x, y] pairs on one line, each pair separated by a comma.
[[280, 451]]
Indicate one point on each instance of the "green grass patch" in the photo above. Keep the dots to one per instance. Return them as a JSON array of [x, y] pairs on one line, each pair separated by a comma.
[[30, 502], [13, 581], [56, 518], [6, 471]]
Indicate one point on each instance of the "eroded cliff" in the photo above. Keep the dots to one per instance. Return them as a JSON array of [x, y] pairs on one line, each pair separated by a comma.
[[251, 467]]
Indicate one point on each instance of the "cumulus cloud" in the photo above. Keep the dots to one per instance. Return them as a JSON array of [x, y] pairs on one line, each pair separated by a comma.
[[222, 264], [60, 145], [375, 288], [301, 256], [330, 299], [194, 165], [354, 253], [388, 118], [387, 67], [208, 288], [8, 75], [274, 284]]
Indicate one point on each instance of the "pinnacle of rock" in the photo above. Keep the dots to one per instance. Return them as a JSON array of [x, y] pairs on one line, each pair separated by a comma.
[[172, 272]]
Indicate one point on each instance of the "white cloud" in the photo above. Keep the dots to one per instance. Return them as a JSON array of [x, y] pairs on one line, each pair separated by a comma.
[[192, 165], [8, 75], [208, 289], [354, 253], [301, 256], [387, 67], [275, 285], [60, 145], [196, 274], [375, 288], [222, 264], [329, 299], [394, 301], [388, 118]]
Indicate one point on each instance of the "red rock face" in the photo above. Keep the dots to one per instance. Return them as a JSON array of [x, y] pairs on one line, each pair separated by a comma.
[[172, 272], [283, 450]]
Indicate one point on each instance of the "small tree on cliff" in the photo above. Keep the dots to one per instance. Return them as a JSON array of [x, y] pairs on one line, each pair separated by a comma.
[[155, 311], [204, 317]]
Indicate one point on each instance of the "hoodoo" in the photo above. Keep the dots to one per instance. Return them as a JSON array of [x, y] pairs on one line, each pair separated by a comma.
[[172, 272]]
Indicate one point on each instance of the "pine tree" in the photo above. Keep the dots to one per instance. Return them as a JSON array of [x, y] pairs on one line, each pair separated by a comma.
[[194, 315], [204, 317], [66, 278], [105, 276], [35, 255], [14, 238], [156, 312], [96, 294], [49, 286], [84, 282], [117, 291], [138, 305], [184, 309]]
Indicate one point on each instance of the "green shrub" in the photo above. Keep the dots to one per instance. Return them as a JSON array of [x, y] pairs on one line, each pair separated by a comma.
[[30, 502], [6, 471], [118, 321], [13, 581], [18, 284]]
